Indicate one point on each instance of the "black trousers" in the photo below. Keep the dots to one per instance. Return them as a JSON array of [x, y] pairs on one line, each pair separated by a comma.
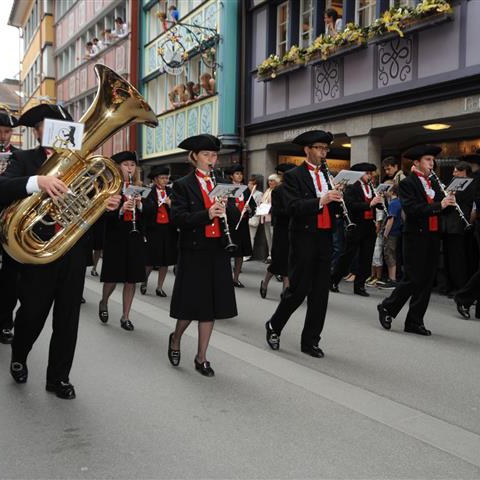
[[9, 290], [456, 261], [470, 292], [59, 284], [360, 241], [420, 254], [309, 274]]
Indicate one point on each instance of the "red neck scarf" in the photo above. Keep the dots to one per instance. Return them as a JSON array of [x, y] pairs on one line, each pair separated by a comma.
[[367, 214], [427, 184], [324, 222], [162, 213], [212, 230]]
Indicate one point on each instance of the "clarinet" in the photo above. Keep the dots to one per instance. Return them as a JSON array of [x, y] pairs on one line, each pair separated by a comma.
[[349, 224], [134, 211], [385, 211], [434, 176], [230, 247]]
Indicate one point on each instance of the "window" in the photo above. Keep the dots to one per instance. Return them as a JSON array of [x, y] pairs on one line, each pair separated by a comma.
[[365, 12], [306, 23], [61, 7], [282, 29], [402, 3], [154, 23], [31, 25]]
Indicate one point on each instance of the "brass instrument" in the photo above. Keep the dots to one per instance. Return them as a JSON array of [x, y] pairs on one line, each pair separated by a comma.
[[374, 190], [349, 224], [230, 247], [434, 176], [91, 179]]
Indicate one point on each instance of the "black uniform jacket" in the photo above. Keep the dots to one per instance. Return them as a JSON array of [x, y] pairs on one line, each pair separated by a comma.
[[415, 205], [302, 202], [14, 180], [356, 204], [150, 218], [279, 211], [190, 215]]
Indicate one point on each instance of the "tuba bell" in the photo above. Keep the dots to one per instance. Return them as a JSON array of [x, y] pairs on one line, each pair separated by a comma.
[[91, 179]]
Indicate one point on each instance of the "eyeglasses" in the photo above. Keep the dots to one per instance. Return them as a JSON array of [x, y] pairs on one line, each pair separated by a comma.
[[319, 147]]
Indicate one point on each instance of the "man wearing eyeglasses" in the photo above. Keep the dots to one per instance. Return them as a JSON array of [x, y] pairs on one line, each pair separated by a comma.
[[311, 205]]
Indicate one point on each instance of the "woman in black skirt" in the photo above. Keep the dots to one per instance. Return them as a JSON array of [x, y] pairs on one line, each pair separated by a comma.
[[280, 241], [240, 236], [98, 237], [160, 232], [124, 255], [203, 289]]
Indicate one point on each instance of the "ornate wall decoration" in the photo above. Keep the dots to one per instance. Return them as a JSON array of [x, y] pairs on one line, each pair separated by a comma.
[[206, 118], [395, 62], [179, 127], [327, 81], [149, 132], [192, 122], [159, 137], [169, 133]]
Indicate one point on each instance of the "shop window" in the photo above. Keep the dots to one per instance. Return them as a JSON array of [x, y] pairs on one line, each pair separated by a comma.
[[365, 12], [306, 23], [282, 28]]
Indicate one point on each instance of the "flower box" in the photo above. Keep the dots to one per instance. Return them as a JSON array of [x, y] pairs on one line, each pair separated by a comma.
[[336, 52], [414, 25], [281, 70]]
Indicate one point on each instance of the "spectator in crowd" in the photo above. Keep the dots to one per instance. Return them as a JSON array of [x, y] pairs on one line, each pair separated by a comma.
[[107, 37], [391, 167], [207, 83], [174, 13], [192, 91], [97, 44], [266, 220], [178, 96], [89, 51], [163, 20], [121, 29], [333, 24], [254, 220]]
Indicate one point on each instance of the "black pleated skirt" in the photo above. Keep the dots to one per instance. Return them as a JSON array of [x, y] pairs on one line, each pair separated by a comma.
[[280, 251], [161, 245], [241, 237], [203, 288]]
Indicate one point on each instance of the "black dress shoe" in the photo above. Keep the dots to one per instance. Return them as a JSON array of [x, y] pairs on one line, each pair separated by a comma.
[[384, 317], [313, 351], [361, 291], [263, 290], [19, 372], [143, 288], [238, 284], [63, 390], [273, 339], [93, 273], [83, 300], [173, 355], [418, 329], [334, 287], [463, 310], [103, 312], [6, 336], [279, 278], [204, 368], [126, 325], [160, 292]]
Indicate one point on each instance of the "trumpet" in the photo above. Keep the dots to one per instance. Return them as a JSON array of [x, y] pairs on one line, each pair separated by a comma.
[[349, 224], [230, 247], [434, 176], [375, 193], [134, 211]]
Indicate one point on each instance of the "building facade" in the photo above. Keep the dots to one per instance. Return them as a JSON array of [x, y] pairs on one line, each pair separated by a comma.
[[190, 76], [77, 24], [378, 97], [11, 101], [34, 19]]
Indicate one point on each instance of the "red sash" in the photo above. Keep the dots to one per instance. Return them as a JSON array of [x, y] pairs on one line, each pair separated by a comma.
[[368, 214], [324, 221], [162, 213], [212, 230], [432, 219]]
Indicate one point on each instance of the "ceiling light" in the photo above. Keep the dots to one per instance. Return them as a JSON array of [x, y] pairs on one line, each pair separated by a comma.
[[346, 145], [436, 126]]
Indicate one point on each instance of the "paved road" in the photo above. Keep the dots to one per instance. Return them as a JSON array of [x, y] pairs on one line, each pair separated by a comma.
[[379, 405]]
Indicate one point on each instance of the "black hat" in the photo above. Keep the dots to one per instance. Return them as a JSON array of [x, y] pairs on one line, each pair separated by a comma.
[[158, 170], [7, 120], [363, 167], [313, 136], [35, 115], [417, 152], [284, 167], [236, 167], [124, 156], [201, 142], [471, 158]]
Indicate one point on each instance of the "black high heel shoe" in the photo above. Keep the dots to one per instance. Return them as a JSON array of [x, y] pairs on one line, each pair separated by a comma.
[[143, 288], [160, 292], [19, 372], [126, 325], [263, 290], [103, 312], [173, 355], [204, 368]]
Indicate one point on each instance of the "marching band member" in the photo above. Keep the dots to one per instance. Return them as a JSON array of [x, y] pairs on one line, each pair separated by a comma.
[[241, 236], [311, 206], [160, 232], [9, 271], [59, 283], [361, 203], [124, 255], [422, 203], [203, 289], [280, 242]]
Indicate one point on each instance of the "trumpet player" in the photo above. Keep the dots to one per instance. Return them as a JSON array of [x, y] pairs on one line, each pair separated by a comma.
[[362, 203], [203, 289], [124, 252], [311, 205], [422, 203], [58, 284]]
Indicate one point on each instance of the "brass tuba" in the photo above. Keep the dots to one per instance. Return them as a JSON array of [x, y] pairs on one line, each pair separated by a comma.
[[91, 179]]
